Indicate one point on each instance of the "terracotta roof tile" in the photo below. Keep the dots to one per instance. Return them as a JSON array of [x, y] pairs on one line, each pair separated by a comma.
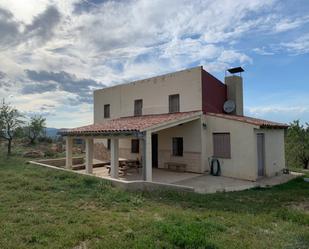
[[128, 124], [254, 121]]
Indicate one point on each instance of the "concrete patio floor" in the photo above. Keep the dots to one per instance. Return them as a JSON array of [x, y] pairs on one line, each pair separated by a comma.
[[158, 175], [213, 184], [201, 183]]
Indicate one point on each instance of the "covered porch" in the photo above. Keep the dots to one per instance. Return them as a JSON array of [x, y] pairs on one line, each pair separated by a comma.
[[139, 127]]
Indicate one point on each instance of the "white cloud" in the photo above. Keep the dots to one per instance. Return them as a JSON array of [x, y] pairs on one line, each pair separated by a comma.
[[279, 113], [119, 41], [263, 51], [298, 46], [263, 110], [286, 24]]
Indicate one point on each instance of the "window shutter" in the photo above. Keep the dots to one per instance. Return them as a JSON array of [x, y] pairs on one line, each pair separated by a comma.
[[177, 146], [174, 105], [138, 107], [134, 146], [221, 145], [107, 111]]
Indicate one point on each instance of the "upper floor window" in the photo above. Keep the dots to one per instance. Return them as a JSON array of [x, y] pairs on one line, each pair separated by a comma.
[[173, 103], [107, 111], [222, 145], [177, 146], [138, 107]]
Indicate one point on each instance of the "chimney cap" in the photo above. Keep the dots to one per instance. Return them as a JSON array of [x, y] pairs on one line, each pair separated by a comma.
[[235, 70]]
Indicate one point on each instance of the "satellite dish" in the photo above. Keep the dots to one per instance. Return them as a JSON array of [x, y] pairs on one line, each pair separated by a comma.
[[229, 106]]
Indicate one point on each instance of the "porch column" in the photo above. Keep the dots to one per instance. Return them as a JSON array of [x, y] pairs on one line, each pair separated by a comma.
[[68, 152], [148, 157], [114, 157], [89, 155]]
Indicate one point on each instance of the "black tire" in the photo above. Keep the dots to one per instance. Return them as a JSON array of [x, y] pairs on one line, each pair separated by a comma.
[[215, 168]]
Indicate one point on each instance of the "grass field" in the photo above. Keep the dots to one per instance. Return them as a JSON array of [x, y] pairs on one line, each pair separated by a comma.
[[44, 208]]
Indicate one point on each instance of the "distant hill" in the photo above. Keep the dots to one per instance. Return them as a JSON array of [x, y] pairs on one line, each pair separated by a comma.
[[51, 132]]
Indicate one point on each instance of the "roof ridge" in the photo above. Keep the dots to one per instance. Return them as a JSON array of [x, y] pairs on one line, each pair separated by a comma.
[[250, 120]]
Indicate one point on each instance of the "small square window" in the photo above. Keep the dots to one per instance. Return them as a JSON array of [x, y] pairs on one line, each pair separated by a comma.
[[107, 111], [222, 145], [177, 146], [134, 146]]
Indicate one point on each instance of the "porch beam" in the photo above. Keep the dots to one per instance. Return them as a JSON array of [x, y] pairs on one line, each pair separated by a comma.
[[68, 152], [89, 155], [114, 157]]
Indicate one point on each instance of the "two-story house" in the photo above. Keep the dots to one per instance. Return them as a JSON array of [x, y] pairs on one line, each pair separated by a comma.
[[180, 121]]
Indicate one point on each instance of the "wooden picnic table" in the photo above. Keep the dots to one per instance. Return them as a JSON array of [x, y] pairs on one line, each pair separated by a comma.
[[126, 164]]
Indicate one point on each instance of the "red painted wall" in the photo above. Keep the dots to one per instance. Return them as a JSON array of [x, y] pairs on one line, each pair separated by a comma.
[[214, 93]]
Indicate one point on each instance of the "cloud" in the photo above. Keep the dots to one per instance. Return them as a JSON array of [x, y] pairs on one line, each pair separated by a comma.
[[263, 51], [14, 33], [8, 28], [44, 24], [298, 46], [262, 110], [5, 82], [286, 24], [38, 88], [43, 81], [65, 49], [274, 112]]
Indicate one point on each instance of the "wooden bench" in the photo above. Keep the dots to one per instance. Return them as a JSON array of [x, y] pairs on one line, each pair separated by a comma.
[[181, 167]]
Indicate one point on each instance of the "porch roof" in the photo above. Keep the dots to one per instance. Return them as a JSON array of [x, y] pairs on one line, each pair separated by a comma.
[[254, 121], [132, 125]]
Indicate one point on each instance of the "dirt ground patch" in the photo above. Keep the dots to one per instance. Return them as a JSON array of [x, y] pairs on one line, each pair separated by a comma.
[[301, 206]]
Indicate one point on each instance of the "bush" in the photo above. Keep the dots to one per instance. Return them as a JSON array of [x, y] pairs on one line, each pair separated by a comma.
[[50, 153], [45, 140]]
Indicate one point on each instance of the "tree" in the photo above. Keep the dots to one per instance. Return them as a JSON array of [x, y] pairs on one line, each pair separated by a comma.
[[297, 144], [10, 123], [35, 128]]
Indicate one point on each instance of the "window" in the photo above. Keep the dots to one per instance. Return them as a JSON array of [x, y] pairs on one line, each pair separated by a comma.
[[173, 103], [138, 107], [108, 144], [177, 146], [222, 145], [134, 146], [107, 111]]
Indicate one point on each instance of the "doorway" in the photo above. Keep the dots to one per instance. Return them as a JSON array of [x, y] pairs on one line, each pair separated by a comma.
[[261, 154], [154, 146]]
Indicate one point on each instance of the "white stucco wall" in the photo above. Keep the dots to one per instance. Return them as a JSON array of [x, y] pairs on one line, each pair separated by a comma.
[[198, 147], [274, 150], [154, 92], [243, 161], [191, 134]]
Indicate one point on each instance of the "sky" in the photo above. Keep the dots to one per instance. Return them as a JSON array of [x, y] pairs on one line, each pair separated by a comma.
[[53, 54]]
